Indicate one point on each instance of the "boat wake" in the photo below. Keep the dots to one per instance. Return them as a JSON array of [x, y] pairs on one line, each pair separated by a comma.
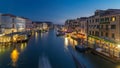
[[44, 62]]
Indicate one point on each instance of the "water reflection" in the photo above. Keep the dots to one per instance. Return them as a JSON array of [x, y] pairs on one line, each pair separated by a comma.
[[41, 35], [69, 41], [23, 46], [14, 57], [2, 49], [36, 35], [66, 41], [13, 50]]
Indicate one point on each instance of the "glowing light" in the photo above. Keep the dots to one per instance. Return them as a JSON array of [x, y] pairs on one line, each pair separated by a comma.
[[118, 46], [14, 56], [113, 19], [75, 42], [71, 41]]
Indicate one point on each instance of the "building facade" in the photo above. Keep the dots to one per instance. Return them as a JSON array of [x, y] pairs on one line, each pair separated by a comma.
[[20, 24], [72, 25], [44, 26], [10, 23], [82, 23], [7, 23], [101, 29], [104, 30], [0, 24], [29, 25]]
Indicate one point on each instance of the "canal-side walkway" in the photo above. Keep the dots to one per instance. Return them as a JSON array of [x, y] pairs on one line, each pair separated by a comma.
[[106, 56], [99, 53]]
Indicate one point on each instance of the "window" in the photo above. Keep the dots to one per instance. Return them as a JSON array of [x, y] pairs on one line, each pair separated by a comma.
[[106, 19], [106, 34], [101, 26], [106, 27], [90, 21], [98, 26], [102, 20], [96, 20], [113, 35], [93, 21], [94, 26], [96, 33], [113, 19], [113, 26], [92, 32], [87, 21], [101, 33]]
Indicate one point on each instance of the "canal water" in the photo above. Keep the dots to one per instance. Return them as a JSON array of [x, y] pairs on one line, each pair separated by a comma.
[[28, 55]]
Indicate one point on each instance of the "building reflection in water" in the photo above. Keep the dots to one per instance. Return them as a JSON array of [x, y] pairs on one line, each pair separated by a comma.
[[23, 46], [41, 35], [14, 57], [66, 41], [2, 48], [36, 35]]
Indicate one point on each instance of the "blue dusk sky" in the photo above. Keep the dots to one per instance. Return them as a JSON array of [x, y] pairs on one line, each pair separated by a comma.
[[56, 11]]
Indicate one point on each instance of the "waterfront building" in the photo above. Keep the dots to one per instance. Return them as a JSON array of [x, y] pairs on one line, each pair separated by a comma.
[[7, 23], [104, 30], [27, 24], [10, 23], [72, 25], [82, 22], [20, 24], [0, 24], [101, 30], [44, 26], [39, 25]]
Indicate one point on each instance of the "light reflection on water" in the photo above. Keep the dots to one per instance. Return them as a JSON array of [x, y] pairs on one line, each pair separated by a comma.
[[70, 41], [23, 46], [14, 57], [13, 51], [36, 35]]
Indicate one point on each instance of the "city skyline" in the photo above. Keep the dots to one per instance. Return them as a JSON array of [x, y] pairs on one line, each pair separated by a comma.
[[56, 11]]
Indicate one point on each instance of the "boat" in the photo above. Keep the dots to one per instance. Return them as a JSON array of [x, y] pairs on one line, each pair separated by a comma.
[[44, 62], [80, 48], [75, 57], [60, 33]]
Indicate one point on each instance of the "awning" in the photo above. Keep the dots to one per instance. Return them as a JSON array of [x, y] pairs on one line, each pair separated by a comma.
[[98, 38]]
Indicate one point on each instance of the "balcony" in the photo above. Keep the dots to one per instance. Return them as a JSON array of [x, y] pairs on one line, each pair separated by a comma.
[[104, 22], [104, 29]]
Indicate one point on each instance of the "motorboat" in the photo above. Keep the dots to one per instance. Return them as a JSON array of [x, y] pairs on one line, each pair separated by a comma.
[[80, 48], [60, 33]]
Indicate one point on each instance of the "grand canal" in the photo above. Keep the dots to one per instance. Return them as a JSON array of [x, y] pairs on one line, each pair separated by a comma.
[[28, 55]]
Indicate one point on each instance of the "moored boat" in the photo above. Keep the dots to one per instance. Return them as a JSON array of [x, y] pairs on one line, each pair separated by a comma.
[[81, 48]]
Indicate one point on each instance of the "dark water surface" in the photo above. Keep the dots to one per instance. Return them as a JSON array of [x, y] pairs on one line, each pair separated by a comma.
[[27, 55]]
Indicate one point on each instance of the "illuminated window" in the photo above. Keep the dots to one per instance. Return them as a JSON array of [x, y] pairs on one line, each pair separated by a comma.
[[113, 18]]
